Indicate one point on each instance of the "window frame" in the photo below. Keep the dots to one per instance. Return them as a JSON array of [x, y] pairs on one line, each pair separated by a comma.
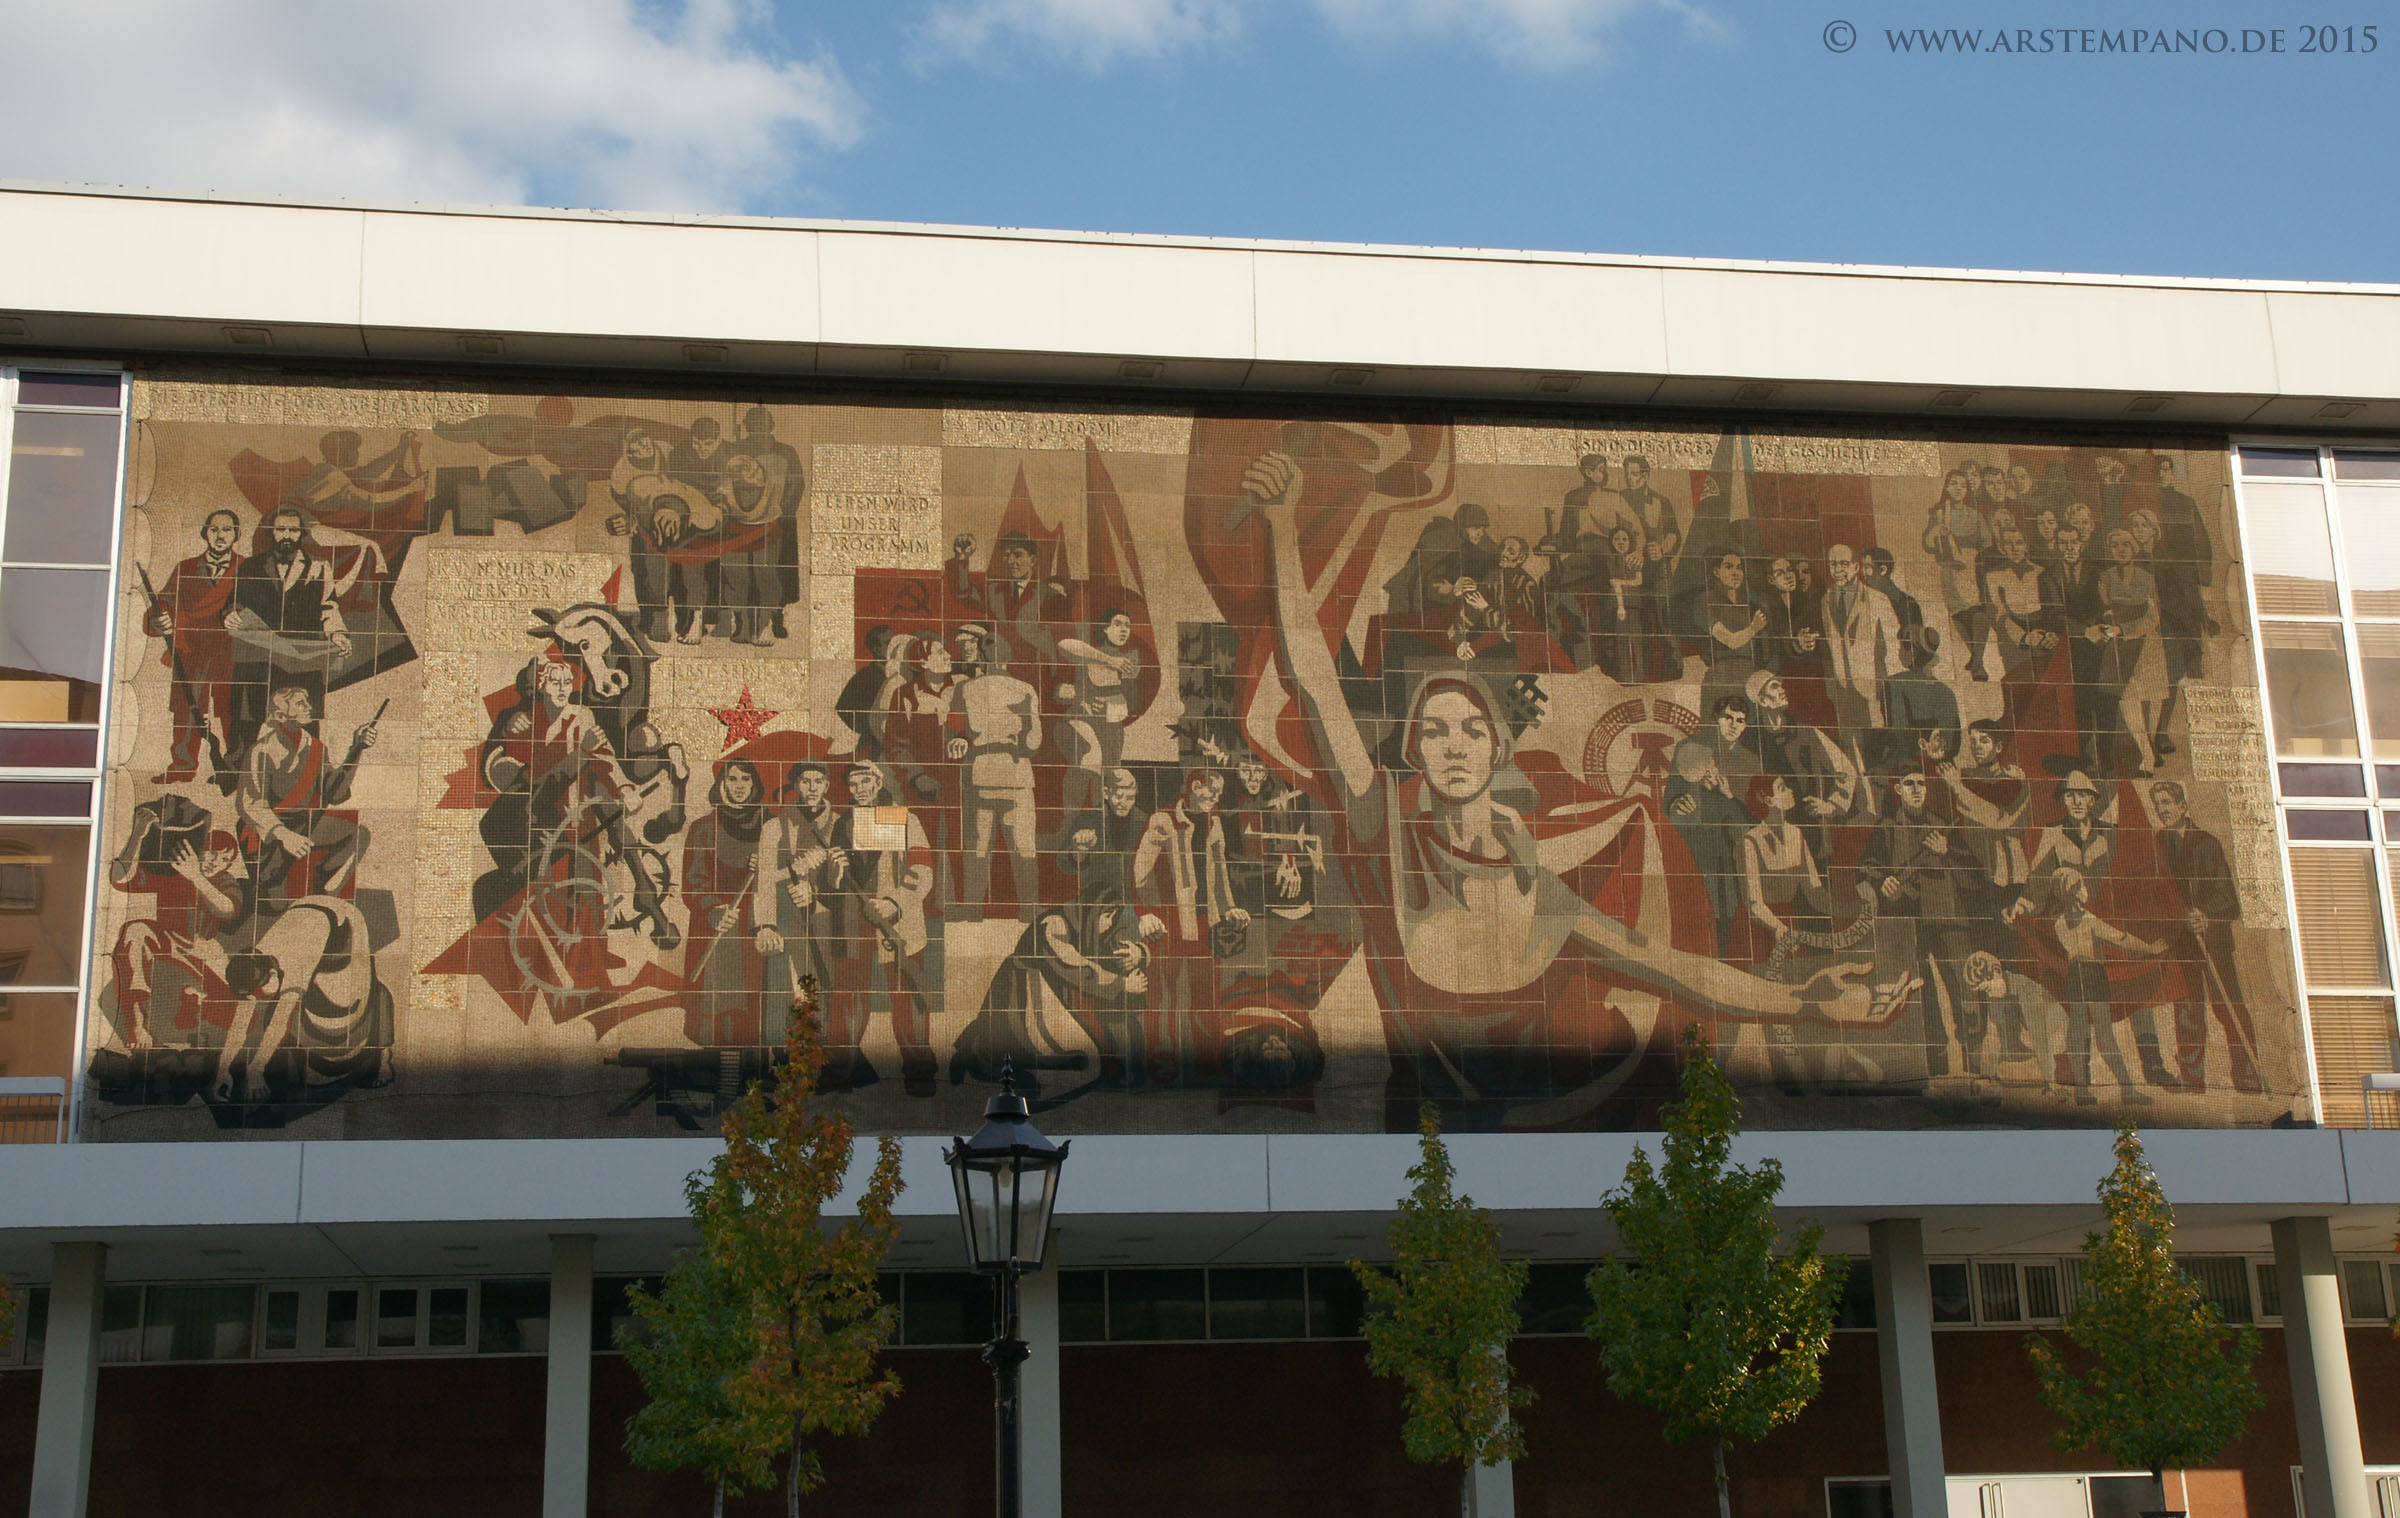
[[2383, 826], [110, 575]]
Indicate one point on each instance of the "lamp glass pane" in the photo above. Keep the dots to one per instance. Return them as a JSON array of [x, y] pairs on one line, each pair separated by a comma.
[[1041, 1190]]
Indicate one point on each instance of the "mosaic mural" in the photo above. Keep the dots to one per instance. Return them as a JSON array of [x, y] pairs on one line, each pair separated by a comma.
[[500, 764]]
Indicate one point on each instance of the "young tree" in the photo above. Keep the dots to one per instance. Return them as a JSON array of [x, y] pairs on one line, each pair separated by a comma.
[[808, 1323], [1708, 1323], [694, 1339], [2169, 1382], [1440, 1319]]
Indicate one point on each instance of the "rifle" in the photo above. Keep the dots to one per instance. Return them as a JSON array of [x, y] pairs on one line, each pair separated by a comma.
[[220, 774], [358, 745]]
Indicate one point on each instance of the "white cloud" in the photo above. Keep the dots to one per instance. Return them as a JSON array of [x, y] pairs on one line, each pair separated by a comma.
[[587, 102], [1089, 33], [1538, 34]]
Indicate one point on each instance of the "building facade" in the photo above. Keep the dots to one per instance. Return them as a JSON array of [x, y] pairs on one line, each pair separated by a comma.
[[461, 672]]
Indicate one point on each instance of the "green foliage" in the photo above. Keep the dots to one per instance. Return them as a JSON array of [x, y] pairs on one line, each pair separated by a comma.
[[694, 1339], [771, 1331], [2169, 1381], [1708, 1323], [1439, 1320]]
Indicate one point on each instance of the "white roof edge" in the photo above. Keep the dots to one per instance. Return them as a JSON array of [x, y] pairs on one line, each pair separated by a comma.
[[1220, 244]]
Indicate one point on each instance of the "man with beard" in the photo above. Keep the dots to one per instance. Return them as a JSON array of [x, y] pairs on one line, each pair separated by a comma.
[[879, 930], [799, 869], [2203, 878], [1929, 892], [190, 616], [1517, 591], [286, 624], [289, 786], [1823, 780], [720, 865]]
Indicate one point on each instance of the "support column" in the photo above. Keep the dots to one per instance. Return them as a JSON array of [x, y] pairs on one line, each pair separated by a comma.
[[1496, 1490], [2333, 1472], [1912, 1409], [62, 1438], [1044, 1467], [567, 1447]]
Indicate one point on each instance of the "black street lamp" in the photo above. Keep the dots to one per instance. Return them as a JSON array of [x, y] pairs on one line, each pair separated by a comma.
[[1007, 1180]]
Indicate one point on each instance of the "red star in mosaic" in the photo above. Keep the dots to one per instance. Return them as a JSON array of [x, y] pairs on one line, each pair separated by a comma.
[[744, 720]]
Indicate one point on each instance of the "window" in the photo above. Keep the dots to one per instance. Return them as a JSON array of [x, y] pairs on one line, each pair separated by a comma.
[[1158, 1304], [199, 1322], [2363, 1289], [1265, 1303], [1952, 1300], [2270, 1292], [1858, 1497], [60, 488], [515, 1318], [1857, 1307], [2002, 1302], [1245, 1302], [1556, 1299], [2225, 1281], [2323, 533], [341, 1320]]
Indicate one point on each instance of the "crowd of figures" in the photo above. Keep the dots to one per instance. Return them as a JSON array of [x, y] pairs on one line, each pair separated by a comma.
[[1894, 840], [2029, 871], [1167, 915]]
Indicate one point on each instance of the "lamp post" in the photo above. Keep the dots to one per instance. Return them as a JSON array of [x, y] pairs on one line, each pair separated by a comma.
[[1007, 1180]]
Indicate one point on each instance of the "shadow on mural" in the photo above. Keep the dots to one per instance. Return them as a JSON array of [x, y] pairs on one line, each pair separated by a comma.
[[503, 768]]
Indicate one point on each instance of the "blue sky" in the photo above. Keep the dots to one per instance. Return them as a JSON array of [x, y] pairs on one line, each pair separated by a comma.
[[1694, 128]]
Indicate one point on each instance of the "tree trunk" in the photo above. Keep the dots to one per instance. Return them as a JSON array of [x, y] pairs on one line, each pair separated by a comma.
[[791, 1479], [720, 1507], [1716, 1453], [1466, 1490]]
